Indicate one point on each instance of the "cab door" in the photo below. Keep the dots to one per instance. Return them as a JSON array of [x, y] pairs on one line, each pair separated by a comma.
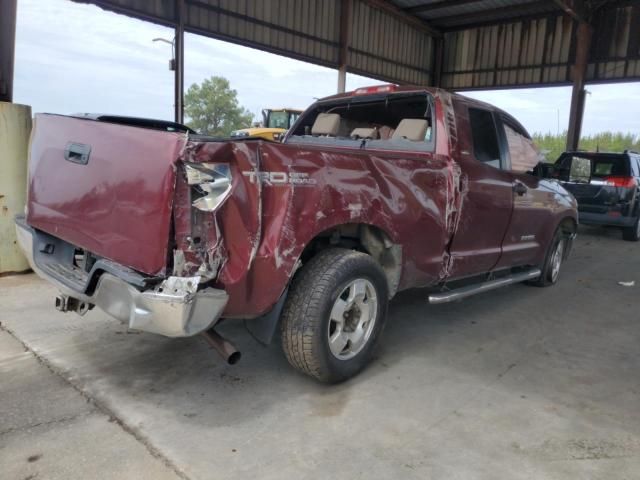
[[531, 226], [487, 204]]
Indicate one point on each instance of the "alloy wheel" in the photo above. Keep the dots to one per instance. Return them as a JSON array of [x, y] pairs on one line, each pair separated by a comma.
[[353, 316]]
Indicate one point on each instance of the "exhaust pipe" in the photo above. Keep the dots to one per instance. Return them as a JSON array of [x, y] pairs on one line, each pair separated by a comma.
[[62, 303], [225, 348], [65, 303]]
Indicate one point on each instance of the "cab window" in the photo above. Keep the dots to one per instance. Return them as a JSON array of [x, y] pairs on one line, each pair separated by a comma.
[[397, 121], [523, 153], [485, 137]]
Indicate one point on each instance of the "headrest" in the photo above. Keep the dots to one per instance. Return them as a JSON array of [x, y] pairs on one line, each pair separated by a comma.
[[413, 129], [326, 124], [371, 133]]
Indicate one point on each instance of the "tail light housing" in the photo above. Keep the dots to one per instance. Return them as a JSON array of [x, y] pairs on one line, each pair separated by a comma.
[[620, 181], [210, 184], [376, 89]]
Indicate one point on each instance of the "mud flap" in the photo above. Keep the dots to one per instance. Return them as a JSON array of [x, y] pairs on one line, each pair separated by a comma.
[[263, 328]]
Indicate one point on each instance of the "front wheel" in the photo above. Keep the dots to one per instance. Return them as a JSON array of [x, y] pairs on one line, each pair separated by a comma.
[[335, 311], [553, 261], [632, 234]]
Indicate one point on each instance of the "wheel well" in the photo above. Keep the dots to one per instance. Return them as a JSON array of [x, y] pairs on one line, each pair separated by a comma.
[[363, 238], [568, 226]]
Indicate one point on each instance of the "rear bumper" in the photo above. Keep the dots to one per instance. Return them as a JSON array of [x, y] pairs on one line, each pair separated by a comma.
[[173, 308], [588, 218]]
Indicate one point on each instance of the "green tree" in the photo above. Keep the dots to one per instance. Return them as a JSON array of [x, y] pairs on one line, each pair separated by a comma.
[[212, 108], [553, 145]]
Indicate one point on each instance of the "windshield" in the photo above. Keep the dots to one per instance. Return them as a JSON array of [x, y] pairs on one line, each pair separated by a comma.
[[278, 120]]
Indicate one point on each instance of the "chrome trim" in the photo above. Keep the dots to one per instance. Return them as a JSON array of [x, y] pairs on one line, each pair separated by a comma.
[[174, 308], [467, 291]]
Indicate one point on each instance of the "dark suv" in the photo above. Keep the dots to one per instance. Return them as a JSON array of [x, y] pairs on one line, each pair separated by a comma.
[[606, 186]]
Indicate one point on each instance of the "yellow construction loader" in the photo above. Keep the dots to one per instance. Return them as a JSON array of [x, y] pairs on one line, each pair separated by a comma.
[[275, 122]]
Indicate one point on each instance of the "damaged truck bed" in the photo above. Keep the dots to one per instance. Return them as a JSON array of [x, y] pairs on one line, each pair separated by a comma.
[[371, 192]]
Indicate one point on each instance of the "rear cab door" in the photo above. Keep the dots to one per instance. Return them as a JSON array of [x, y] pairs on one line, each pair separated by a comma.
[[488, 199], [422, 170]]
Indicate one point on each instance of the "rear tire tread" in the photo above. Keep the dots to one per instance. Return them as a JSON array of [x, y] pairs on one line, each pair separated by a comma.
[[544, 279], [301, 321], [632, 234]]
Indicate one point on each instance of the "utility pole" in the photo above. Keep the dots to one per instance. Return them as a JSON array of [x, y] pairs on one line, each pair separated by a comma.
[[8, 9], [346, 9]]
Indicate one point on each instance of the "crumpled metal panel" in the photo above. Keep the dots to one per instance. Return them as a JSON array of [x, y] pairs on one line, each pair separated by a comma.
[[284, 195]]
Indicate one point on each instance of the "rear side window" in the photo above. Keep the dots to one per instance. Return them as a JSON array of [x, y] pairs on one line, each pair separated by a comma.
[[611, 166], [602, 169], [635, 165], [583, 168], [485, 137], [580, 170]]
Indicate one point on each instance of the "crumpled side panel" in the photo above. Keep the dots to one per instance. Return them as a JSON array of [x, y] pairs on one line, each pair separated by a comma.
[[284, 195], [208, 242]]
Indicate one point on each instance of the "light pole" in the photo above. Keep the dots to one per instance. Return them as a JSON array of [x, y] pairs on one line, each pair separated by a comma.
[[176, 66], [172, 61]]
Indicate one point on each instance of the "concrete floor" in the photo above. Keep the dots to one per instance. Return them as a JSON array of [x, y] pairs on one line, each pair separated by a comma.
[[519, 383]]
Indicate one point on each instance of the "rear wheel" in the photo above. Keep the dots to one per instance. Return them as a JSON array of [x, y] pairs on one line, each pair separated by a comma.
[[632, 234], [553, 261], [334, 313]]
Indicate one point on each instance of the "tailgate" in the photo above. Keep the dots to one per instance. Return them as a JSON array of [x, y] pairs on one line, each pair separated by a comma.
[[105, 188], [593, 196], [597, 180]]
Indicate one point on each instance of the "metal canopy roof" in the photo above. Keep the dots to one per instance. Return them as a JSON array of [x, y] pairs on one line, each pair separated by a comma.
[[447, 14], [481, 43]]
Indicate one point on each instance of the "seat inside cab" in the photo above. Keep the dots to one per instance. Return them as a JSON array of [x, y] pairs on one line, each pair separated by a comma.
[[393, 118]]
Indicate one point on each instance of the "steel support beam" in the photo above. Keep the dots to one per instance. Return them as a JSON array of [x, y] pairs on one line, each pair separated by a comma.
[[438, 59], [346, 15], [490, 15], [574, 8], [8, 9], [428, 7], [179, 62], [584, 33]]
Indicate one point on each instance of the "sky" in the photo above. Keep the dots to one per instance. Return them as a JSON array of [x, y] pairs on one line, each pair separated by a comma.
[[74, 58]]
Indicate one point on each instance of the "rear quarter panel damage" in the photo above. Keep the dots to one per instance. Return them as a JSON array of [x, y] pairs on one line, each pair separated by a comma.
[[285, 195]]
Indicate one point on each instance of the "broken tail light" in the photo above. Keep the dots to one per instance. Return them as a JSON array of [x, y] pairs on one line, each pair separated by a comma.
[[620, 181], [210, 184]]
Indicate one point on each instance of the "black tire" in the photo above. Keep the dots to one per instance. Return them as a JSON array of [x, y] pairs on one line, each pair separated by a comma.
[[632, 234], [313, 295], [549, 276]]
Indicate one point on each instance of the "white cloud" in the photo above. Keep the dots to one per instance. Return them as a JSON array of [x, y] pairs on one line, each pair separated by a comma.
[[608, 107]]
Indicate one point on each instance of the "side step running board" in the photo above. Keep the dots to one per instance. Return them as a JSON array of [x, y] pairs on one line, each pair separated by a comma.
[[457, 294]]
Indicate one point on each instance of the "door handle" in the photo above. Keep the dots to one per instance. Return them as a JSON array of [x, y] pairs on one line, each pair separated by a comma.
[[520, 188], [77, 153]]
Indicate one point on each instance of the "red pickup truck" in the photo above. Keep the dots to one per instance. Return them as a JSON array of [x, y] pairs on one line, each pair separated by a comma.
[[371, 192]]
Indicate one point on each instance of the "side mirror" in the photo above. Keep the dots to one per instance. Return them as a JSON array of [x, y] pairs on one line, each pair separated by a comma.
[[545, 170]]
